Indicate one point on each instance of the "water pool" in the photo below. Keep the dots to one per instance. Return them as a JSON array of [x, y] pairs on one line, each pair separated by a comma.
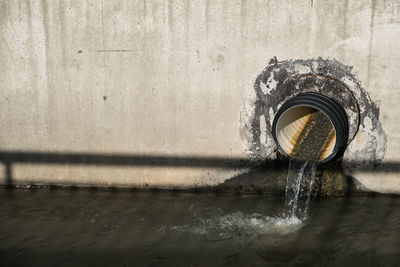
[[65, 227]]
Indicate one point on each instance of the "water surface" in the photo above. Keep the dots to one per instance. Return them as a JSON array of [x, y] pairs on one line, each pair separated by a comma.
[[64, 227]]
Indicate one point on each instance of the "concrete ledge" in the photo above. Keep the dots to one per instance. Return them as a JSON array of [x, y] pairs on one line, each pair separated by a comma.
[[240, 175]]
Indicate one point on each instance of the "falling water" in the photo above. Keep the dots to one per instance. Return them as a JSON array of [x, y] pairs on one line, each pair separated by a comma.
[[310, 148], [299, 184]]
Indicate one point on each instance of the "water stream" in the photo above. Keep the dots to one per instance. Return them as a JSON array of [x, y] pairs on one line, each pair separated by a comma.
[[299, 184], [310, 147]]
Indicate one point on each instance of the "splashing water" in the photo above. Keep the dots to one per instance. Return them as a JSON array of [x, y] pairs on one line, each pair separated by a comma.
[[299, 183], [230, 225]]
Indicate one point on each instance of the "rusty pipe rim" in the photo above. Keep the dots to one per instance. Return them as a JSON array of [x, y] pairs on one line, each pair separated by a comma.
[[294, 114]]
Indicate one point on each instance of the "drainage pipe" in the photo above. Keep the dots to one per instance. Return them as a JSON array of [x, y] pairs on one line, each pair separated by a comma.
[[302, 117]]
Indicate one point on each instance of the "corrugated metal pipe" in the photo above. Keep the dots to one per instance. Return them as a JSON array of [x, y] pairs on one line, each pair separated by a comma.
[[311, 127]]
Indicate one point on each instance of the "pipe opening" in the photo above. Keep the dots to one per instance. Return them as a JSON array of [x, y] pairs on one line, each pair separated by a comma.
[[310, 127]]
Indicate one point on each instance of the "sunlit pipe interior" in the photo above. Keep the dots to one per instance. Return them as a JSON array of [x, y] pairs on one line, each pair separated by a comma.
[[291, 120]]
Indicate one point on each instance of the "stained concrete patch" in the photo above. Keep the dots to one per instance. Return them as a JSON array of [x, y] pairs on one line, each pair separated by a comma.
[[282, 80]]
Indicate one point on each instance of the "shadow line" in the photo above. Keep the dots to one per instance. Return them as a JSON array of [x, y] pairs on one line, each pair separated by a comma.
[[123, 159], [8, 173], [10, 157]]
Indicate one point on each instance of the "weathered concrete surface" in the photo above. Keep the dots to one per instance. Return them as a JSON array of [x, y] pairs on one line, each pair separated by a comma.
[[284, 80], [170, 78]]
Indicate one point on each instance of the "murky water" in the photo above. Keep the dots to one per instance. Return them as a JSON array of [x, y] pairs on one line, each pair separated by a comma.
[[95, 228]]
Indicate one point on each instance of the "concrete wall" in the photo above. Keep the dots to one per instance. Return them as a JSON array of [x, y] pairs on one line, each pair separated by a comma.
[[169, 78]]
